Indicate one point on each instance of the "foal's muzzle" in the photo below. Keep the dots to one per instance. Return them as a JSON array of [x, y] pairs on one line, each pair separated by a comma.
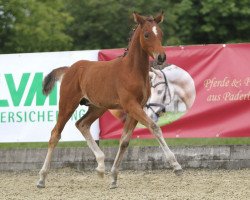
[[161, 58]]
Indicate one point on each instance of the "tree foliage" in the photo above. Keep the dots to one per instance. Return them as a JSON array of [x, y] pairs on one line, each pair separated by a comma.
[[212, 21], [33, 25], [44, 25]]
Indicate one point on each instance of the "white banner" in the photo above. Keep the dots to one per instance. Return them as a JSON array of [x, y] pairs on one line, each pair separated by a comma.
[[26, 115]]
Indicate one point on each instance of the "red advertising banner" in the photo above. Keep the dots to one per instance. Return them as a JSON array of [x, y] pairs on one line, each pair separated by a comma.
[[221, 74]]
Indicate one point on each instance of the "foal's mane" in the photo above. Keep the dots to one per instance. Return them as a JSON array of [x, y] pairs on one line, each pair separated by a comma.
[[131, 34]]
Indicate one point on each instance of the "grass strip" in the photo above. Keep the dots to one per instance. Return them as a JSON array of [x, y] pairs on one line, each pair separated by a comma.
[[135, 142]]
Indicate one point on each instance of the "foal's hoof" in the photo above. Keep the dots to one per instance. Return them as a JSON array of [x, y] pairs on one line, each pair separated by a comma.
[[100, 173], [178, 172], [40, 184], [113, 186]]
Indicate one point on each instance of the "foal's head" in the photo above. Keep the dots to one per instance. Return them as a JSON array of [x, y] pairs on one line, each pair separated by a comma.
[[151, 36]]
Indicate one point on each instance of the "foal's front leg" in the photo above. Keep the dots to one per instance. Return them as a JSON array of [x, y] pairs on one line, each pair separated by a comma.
[[129, 126], [137, 112]]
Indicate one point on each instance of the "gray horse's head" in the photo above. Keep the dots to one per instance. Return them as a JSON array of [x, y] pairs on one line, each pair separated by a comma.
[[159, 94]]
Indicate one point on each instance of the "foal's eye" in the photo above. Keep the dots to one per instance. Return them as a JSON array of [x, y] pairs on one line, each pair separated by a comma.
[[146, 35], [159, 91]]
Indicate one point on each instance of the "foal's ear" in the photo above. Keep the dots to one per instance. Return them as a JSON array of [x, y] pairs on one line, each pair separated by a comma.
[[159, 18], [138, 18]]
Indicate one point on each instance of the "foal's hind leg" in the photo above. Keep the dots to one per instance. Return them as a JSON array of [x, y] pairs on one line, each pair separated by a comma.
[[83, 126], [65, 112], [129, 126]]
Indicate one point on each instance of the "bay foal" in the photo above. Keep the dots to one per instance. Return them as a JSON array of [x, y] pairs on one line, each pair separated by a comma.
[[122, 83]]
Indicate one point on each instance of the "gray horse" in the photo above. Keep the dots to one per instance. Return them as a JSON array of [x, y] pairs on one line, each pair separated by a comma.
[[169, 84]]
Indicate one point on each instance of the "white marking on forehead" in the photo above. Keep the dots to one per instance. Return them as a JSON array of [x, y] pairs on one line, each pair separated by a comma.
[[154, 30]]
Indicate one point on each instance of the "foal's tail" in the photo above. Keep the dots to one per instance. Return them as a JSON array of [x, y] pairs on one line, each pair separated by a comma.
[[50, 80]]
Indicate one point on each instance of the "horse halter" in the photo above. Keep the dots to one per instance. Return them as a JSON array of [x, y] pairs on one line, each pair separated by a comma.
[[161, 106]]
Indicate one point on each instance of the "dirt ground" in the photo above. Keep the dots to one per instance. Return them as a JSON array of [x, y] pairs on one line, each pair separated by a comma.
[[133, 185]]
